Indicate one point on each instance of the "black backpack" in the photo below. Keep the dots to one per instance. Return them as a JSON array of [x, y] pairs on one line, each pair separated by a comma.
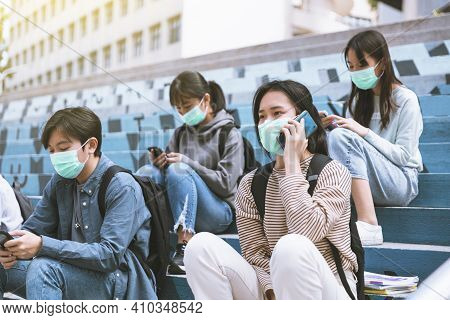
[[156, 202], [318, 162], [26, 207], [250, 160]]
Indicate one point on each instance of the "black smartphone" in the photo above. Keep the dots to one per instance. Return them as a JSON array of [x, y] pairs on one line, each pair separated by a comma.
[[4, 237], [156, 151], [310, 127]]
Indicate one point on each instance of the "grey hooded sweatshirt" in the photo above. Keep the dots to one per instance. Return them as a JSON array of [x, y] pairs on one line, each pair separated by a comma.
[[199, 146]]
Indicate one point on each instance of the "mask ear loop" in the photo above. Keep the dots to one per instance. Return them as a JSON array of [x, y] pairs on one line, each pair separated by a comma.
[[375, 67], [89, 155]]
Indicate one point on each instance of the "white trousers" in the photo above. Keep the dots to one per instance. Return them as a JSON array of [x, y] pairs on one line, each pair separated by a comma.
[[215, 270]]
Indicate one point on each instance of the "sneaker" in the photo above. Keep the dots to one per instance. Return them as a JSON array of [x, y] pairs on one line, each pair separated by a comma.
[[370, 235], [176, 266]]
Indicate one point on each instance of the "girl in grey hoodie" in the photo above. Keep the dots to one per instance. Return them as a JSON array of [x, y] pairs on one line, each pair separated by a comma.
[[200, 175]]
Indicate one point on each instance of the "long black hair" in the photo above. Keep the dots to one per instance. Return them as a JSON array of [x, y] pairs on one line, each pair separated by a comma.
[[191, 84], [300, 96], [373, 44]]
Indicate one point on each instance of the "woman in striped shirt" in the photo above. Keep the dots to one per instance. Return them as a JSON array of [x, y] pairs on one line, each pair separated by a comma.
[[286, 255]]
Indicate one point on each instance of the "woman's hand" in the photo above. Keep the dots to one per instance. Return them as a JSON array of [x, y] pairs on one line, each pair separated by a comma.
[[174, 157], [349, 124], [295, 147], [160, 161]]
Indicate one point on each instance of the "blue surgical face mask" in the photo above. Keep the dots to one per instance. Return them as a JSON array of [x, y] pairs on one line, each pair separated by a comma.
[[66, 163], [195, 116], [269, 131], [365, 79]]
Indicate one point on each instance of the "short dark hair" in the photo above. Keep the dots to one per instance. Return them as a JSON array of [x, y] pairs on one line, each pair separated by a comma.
[[301, 98], [80, 123], [191, 84]]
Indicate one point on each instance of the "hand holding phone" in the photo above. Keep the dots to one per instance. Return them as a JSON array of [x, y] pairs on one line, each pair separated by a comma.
[[157, 157], [4, 237], [310, 127]]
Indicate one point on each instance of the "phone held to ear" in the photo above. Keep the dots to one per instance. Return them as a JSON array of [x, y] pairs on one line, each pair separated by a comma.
[[4, 237], [310, 127]]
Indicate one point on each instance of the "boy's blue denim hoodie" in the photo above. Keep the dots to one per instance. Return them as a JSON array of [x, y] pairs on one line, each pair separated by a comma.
[[106, 248]]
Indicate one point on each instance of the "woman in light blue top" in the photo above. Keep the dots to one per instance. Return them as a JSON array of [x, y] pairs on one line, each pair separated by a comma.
[[378, 140]]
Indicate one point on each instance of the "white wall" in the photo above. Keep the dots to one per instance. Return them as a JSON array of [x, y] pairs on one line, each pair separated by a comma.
[[217, 25]]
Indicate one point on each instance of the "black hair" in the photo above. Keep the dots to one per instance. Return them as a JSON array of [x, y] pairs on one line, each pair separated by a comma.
[[191, 84], [80, 123], [373, 44], [300, 96]]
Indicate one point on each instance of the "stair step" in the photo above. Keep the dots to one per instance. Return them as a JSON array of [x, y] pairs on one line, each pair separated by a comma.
[[433, 191], [436, 129], [436, 156], [406, 259], [415, 225]]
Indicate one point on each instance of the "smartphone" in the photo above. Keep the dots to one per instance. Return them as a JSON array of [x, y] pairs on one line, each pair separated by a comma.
[[156, 151], [332, 125], [4, 237], [310, 127]]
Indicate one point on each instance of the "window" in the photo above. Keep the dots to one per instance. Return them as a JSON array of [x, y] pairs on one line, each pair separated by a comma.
[[80, 66], [61, 37], [72, 32], [137, 42], [41, 48], [24, 59], [53, 7], [11, 34], [30, 83], [50, 43], [27, 22], [121, 50], [43, 13], [174, 29], [58, 74], [19, 30], [139, 4], [95, 19], [33, 52], [93, 58], [109, 12], [107, 57], [17, 59], [49, 77], [83, 26], [69, 70], [123, 7], [63, 5], [39, 79], [35, 17], [155, 37]]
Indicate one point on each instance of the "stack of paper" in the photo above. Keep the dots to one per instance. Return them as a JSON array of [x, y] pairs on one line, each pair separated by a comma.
[[382, 285]]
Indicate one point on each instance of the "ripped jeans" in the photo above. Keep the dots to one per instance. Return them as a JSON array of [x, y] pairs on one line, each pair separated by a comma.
[[194, 206]]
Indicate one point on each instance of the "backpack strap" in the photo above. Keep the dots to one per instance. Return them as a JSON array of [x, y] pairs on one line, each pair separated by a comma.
[[106, 179], [318, 162], [340, 270], [223, 136], [177, 134], [259, 186]]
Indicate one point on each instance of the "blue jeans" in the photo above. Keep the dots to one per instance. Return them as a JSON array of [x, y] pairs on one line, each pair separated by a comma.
[[391, 185], [194, 206], [48, 279]]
